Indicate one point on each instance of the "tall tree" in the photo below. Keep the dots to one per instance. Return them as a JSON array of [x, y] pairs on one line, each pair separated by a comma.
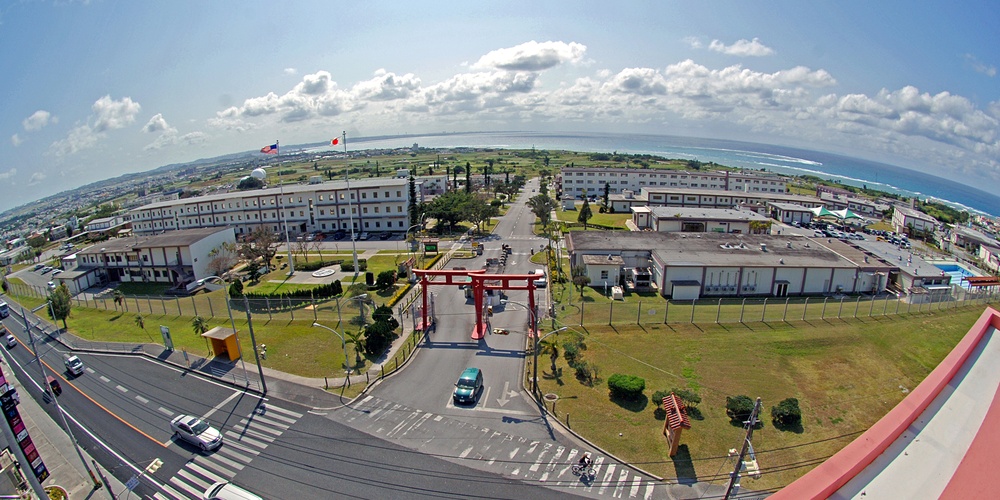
[[261, 243], [60, 304], [477, 211], [412, 208], [585, 213], [541, 205], [468, 177], [607, 193], [449, 208]]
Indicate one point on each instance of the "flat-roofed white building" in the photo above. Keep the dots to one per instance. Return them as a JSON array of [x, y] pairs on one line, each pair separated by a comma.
[[577, 180], [705, 198], [379, 205], [730, 265], [699, 220], [907, 220]]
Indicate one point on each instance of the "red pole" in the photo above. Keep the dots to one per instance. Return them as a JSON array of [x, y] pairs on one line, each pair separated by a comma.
[[477, 291], [423, 314], [531, 309]]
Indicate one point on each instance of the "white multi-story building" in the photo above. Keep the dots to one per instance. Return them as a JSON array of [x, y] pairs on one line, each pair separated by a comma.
[[576, 180], [380, 204]]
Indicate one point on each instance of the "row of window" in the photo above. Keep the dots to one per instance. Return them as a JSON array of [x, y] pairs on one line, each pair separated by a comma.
[[199, 208], [169, 224]]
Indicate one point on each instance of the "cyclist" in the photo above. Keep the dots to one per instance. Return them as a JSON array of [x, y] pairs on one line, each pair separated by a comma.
[[585, 460]]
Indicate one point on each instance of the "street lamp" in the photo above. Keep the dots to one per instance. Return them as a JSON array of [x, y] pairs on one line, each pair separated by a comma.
[[361, 305], [343, 344], [534, 378], [229, 309]]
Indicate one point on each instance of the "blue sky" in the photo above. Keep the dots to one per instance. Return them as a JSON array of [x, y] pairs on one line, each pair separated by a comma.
[[99, 88]]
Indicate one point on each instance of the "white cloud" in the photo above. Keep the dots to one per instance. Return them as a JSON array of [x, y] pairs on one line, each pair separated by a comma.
[[532, 56], [981, 67], [36, 178], [8, 174], [291, 71], [38, 120], [170, 138], [693, 42], [157, 124], [742, 47], [16, 140], [110, 114], [386, 86]]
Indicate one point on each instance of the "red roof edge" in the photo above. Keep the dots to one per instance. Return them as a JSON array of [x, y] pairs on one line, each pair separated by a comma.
[[836, 471]]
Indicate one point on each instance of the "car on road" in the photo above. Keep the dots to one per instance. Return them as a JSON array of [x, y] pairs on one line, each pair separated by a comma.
[[11, 341], [39, 266], [540, 281], [52, 285], [469, 386], [73, 365], [57, 271], [46, 269], [228, 491], [196, 431]]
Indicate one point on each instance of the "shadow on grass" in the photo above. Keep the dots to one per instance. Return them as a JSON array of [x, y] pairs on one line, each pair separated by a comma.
[[633, 405], [116, 317], [557, 376], [796, 427], [684, 467], [694, 413]]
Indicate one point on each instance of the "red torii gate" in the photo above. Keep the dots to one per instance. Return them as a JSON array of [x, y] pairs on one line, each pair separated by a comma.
[[479, 286]]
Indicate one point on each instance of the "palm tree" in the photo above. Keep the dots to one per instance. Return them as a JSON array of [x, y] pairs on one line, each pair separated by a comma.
[[551, 347], [119, 299], [199, 325], [356, 340], [140, 321]]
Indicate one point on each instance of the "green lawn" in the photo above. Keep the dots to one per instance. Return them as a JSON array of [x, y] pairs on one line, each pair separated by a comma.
[[845, 374], [616, 220]]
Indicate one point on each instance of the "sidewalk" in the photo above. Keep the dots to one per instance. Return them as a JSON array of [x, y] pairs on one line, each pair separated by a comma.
[[56, 450]]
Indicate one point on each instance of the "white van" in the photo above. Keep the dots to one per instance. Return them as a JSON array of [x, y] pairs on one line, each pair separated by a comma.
[[228, 491], [540, 281], [4, 309]]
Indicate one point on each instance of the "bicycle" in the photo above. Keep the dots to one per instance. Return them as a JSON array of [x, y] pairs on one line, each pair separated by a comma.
[[584, 470]]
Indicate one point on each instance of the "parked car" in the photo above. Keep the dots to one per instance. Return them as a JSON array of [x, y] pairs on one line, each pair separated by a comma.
[[39, 266], [57, 271], [11, 341], [228, 491], [46, 269], [52, 285], [468, 387], [385, 236], [365, 235], [196, 431], [540, 281]]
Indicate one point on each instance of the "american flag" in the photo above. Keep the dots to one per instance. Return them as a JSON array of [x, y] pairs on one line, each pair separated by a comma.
[[270, 150]]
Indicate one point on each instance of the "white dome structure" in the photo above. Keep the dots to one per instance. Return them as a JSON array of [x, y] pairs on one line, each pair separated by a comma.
[[259, 173]]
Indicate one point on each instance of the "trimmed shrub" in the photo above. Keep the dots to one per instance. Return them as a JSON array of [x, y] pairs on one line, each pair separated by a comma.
[[347, 266], [690, 398], [786, 413], [739, 408], [659, 395], [396, 297], [626, 387], [315, 266], [385, 279]]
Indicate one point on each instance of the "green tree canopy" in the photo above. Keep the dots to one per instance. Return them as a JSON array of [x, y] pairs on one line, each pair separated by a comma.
[[60, 304]]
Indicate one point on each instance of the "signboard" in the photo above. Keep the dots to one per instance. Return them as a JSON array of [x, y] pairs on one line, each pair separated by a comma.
[[132, 483], [167, 341], [10, 413]]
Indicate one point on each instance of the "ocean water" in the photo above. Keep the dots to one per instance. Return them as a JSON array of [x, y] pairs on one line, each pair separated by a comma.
[[784, 160]]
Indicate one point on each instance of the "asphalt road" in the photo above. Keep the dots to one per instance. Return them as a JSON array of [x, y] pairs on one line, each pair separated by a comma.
[[428, 383], [121, 406]]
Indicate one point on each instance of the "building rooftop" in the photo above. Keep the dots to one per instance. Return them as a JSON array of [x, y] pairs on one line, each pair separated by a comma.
[[711, 249], [915, 214], [789, 207], [706, 213], [286, 189], [178, 238]]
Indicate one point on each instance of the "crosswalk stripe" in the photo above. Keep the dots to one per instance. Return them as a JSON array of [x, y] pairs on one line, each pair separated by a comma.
[[180, 484], [634, 491], [227, 462], [205, 473], [191, 478], [279, 409], [246, 440], [242, 447], [649, 491], [622, 481], [252, 424], [170, 492], [258, 435], [283, 418], [609, 475], [267, 421], [217, 467], [228, 450], [160, 496]]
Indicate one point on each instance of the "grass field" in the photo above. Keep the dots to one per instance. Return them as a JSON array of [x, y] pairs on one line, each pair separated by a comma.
[[845, 374]]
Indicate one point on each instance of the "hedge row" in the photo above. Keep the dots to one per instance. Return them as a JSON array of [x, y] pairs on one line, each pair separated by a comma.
[[315, 266], [321, 292]]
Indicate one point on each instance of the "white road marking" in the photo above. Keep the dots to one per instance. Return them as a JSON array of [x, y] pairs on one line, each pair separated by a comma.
[[165, 411], [220, 405], [141, 399], [120, 388]]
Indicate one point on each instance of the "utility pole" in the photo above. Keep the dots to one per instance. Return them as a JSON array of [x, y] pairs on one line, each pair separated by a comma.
[[743, 451]]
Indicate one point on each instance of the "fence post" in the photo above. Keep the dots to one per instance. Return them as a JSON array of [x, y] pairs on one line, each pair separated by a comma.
[[785, 313], [195, 305], [611, 312], [857, 305], [840, 310], [666, 309], [822, 314], [163, 302], [638, 314], [742, 307], [137, 309], [211, 309], [763, 313], [312, 298], [267, 304], [693, 303], [718, 312], [897, 306], [885, 305], [149, 302], [178, 302], [872, 308], [909, 304], [805, 306]]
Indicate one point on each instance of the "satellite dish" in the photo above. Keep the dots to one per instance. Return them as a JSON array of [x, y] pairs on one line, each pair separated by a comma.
[[259, 173]]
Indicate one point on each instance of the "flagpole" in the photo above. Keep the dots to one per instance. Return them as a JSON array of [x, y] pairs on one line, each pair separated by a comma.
[[350, 210], [284, 221]]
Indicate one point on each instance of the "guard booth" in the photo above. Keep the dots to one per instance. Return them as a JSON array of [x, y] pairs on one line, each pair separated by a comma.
[[223, 342]]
